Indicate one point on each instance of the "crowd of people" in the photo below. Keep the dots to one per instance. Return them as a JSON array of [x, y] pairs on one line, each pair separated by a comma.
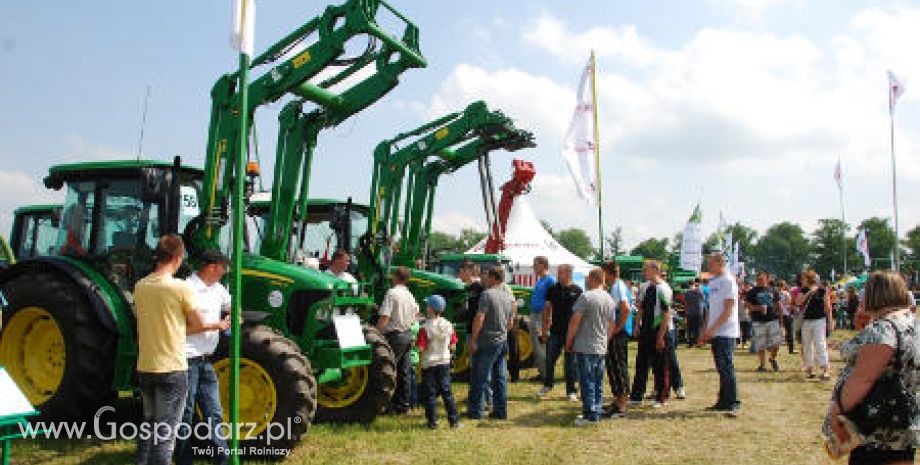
[[179, 322]]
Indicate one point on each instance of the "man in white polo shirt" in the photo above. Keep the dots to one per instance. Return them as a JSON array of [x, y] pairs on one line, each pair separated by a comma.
[[211, 299], [398, 312], [722, 329]]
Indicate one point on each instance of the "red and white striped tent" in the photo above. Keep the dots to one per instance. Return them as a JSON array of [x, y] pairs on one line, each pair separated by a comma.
[[525, 239]]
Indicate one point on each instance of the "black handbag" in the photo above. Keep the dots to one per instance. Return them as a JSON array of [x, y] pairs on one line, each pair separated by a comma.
[[889, 404]]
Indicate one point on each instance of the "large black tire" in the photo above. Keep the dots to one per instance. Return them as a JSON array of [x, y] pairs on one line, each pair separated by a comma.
[[381, 383], [89, 349], [294, 389]]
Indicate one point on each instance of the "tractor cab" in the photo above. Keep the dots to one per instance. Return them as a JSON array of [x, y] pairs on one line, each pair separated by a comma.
[[113, 215], [35, 231], [328, 224], [449, 264]]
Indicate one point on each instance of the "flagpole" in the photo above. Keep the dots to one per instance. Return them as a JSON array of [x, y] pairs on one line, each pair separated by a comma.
[[843, 218], [597, 156], [894, 181], [237, 258]]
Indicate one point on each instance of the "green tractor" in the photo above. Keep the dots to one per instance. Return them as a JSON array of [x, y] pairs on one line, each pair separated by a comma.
[[68, 337], [34, 234]]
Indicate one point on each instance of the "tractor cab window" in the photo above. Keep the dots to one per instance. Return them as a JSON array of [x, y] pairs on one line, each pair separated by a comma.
[[320, 237], [77, 220], [128, 223], [37, 233]]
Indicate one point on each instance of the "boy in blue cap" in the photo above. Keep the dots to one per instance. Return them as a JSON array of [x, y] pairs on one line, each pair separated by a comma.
[[437, 340]]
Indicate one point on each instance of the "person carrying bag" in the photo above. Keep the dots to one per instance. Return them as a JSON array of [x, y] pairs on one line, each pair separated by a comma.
[[874, 414]]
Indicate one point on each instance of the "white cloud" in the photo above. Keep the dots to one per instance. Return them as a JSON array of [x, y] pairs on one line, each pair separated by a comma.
[[756, 119], [78, 149], [453, 222], [750, 9], [622, 42], [511, 90]]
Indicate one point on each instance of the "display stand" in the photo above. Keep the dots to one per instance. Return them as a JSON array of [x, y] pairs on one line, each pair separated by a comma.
[[14, 412]]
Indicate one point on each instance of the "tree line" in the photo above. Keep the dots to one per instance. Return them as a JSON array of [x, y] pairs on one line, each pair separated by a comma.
[[783, 249], [576, 240], [786, 248]]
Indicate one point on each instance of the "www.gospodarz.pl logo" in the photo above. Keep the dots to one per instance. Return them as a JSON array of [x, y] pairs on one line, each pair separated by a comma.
[[109, 430]]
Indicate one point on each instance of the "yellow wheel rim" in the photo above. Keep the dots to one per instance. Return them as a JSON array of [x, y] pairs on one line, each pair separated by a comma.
[[462, 360], [345, 392], [33, 352], [525, 348], [258, 397]]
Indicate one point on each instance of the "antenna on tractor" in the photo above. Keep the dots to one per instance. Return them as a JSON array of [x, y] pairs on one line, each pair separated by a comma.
[[140, 139]]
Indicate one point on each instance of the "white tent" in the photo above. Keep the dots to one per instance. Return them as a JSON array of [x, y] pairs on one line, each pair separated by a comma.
[[525, 239]]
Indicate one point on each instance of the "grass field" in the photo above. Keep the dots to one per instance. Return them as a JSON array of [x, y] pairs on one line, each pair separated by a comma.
[[780, 424]]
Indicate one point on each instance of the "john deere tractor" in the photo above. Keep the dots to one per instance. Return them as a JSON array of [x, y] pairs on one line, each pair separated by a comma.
[[69, 337]]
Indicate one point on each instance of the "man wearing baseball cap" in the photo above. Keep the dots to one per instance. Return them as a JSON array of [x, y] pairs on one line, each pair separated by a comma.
[[437, 339]]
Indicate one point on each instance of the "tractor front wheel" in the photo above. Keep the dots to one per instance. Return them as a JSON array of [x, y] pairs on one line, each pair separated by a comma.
[[277, 400], [363, 392]]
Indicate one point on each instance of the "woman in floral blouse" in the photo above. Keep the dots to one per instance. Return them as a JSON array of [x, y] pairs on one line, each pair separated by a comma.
[[868, 355]]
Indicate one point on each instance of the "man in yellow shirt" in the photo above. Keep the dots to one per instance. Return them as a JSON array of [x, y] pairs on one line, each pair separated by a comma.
[[164, 309]]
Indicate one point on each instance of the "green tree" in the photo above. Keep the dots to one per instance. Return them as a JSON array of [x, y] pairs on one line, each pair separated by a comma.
[[782, 250], [614, 243], [651, 248], [441, 242], [467, 239], [826, 243], [745, 237], [577, 241], [912, 243], [880, 236], [676, 243]]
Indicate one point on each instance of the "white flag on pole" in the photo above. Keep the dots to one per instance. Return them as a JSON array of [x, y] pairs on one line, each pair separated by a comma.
[[578, 146], [862, 246], [691, 247], [895, 89], [242, 36]]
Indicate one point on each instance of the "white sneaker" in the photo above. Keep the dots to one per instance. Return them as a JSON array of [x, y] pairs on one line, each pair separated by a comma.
[[634, 403], [573, 397], [659, 404], [582, 422], [681, 394], [543, 392]]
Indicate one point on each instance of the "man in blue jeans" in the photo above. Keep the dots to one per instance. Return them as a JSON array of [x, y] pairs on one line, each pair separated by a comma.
[[165, 311], [489, 346], [211, 300], [590, 328], [545, 280], [722, 330], [557, 313]]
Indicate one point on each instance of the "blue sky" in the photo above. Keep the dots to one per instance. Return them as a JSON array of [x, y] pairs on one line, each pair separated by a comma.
[[749, 102]]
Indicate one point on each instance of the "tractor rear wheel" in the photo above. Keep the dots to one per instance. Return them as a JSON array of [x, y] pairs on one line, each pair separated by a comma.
[[277, 400], [363, 392], [525, 345], [55, 348]]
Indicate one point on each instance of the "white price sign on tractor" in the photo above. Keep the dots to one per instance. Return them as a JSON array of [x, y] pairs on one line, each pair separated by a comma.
[[348, 330]]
